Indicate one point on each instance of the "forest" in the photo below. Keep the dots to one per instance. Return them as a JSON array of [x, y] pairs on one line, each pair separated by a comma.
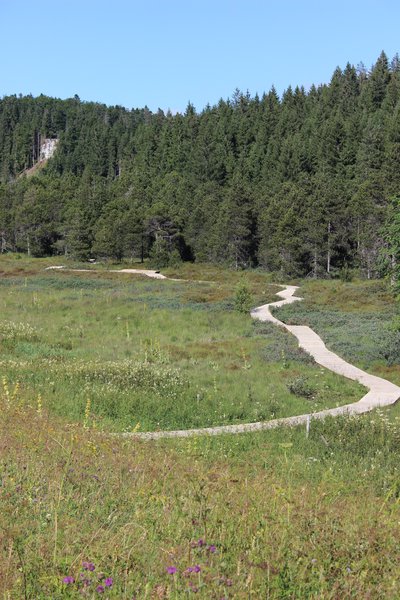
[[307, 184]]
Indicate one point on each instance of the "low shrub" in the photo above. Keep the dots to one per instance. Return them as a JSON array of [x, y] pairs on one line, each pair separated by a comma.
[[300, 386]]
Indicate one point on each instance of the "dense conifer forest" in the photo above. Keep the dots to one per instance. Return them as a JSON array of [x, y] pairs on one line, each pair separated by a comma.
[[307, 184]]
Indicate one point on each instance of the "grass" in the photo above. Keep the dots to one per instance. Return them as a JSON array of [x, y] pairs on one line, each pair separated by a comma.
[[275, 514], [267, 515], [164, 354]]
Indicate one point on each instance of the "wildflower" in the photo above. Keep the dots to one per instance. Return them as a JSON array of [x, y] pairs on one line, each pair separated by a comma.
[[212, 548], [108, 581], [171, 570], [201, 543], [68, 579], [196, 569], [88, 566], [100, 589]]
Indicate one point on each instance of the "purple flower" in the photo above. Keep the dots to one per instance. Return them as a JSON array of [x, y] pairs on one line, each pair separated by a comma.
[[171, 570], [201, 543], [212, 548], [100, 589], [108, 581], [195, 569], [68, 579], [88, 566]]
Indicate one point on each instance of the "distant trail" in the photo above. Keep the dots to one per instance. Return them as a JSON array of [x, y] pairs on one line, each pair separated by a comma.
[[381, 392], [147, 272]]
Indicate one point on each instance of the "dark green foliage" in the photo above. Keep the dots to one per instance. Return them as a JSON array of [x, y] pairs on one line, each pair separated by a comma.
[[243, 298], [300, 386], [159, 254], [391, 349], [299, 185], [393, 240]]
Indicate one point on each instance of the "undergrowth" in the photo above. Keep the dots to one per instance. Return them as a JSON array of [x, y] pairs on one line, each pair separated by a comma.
[[357, 320], [266, 515]]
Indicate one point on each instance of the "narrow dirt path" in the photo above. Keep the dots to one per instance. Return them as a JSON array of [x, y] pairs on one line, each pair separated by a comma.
[[381, 392]]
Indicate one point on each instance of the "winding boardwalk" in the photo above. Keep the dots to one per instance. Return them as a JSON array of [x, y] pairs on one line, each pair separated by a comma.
[[381, 392]]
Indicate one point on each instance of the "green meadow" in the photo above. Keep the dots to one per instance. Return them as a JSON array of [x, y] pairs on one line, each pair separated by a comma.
[[275, 514], [153, 354]]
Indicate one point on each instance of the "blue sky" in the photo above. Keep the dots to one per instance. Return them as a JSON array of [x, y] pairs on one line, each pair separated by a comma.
[[163, 53]]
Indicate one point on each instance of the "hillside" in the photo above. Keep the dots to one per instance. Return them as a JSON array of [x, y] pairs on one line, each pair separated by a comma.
[[304, 184]]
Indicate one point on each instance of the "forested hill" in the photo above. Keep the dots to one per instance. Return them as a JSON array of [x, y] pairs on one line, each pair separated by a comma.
[[305, 184]]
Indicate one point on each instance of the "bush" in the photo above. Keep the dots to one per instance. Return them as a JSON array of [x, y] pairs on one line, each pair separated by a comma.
[[162, 256], [345, 274], [174, 259], [391, 348], [243, 298], [159, 254], [301, 387]]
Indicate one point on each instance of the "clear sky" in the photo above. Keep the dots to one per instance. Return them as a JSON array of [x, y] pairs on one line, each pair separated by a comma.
[[163, 53]]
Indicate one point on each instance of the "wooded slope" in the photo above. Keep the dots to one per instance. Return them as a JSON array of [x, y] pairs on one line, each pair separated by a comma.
[[303, 184]]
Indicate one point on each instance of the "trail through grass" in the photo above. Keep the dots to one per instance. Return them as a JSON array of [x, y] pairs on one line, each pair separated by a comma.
[[161, 354], [276, 514], [357, 320]]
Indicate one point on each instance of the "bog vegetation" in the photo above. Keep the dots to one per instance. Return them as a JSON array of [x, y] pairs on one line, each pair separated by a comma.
[[274, 514], [303, 185], [154, 354]]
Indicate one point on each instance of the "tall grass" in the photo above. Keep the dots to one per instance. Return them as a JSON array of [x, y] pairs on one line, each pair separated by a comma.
[[272, 514]]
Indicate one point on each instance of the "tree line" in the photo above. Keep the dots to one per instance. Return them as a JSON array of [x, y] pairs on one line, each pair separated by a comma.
[[305, 184]]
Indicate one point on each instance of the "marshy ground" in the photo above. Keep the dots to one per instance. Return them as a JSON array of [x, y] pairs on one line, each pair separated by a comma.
[[164, 354], [272, 514]]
